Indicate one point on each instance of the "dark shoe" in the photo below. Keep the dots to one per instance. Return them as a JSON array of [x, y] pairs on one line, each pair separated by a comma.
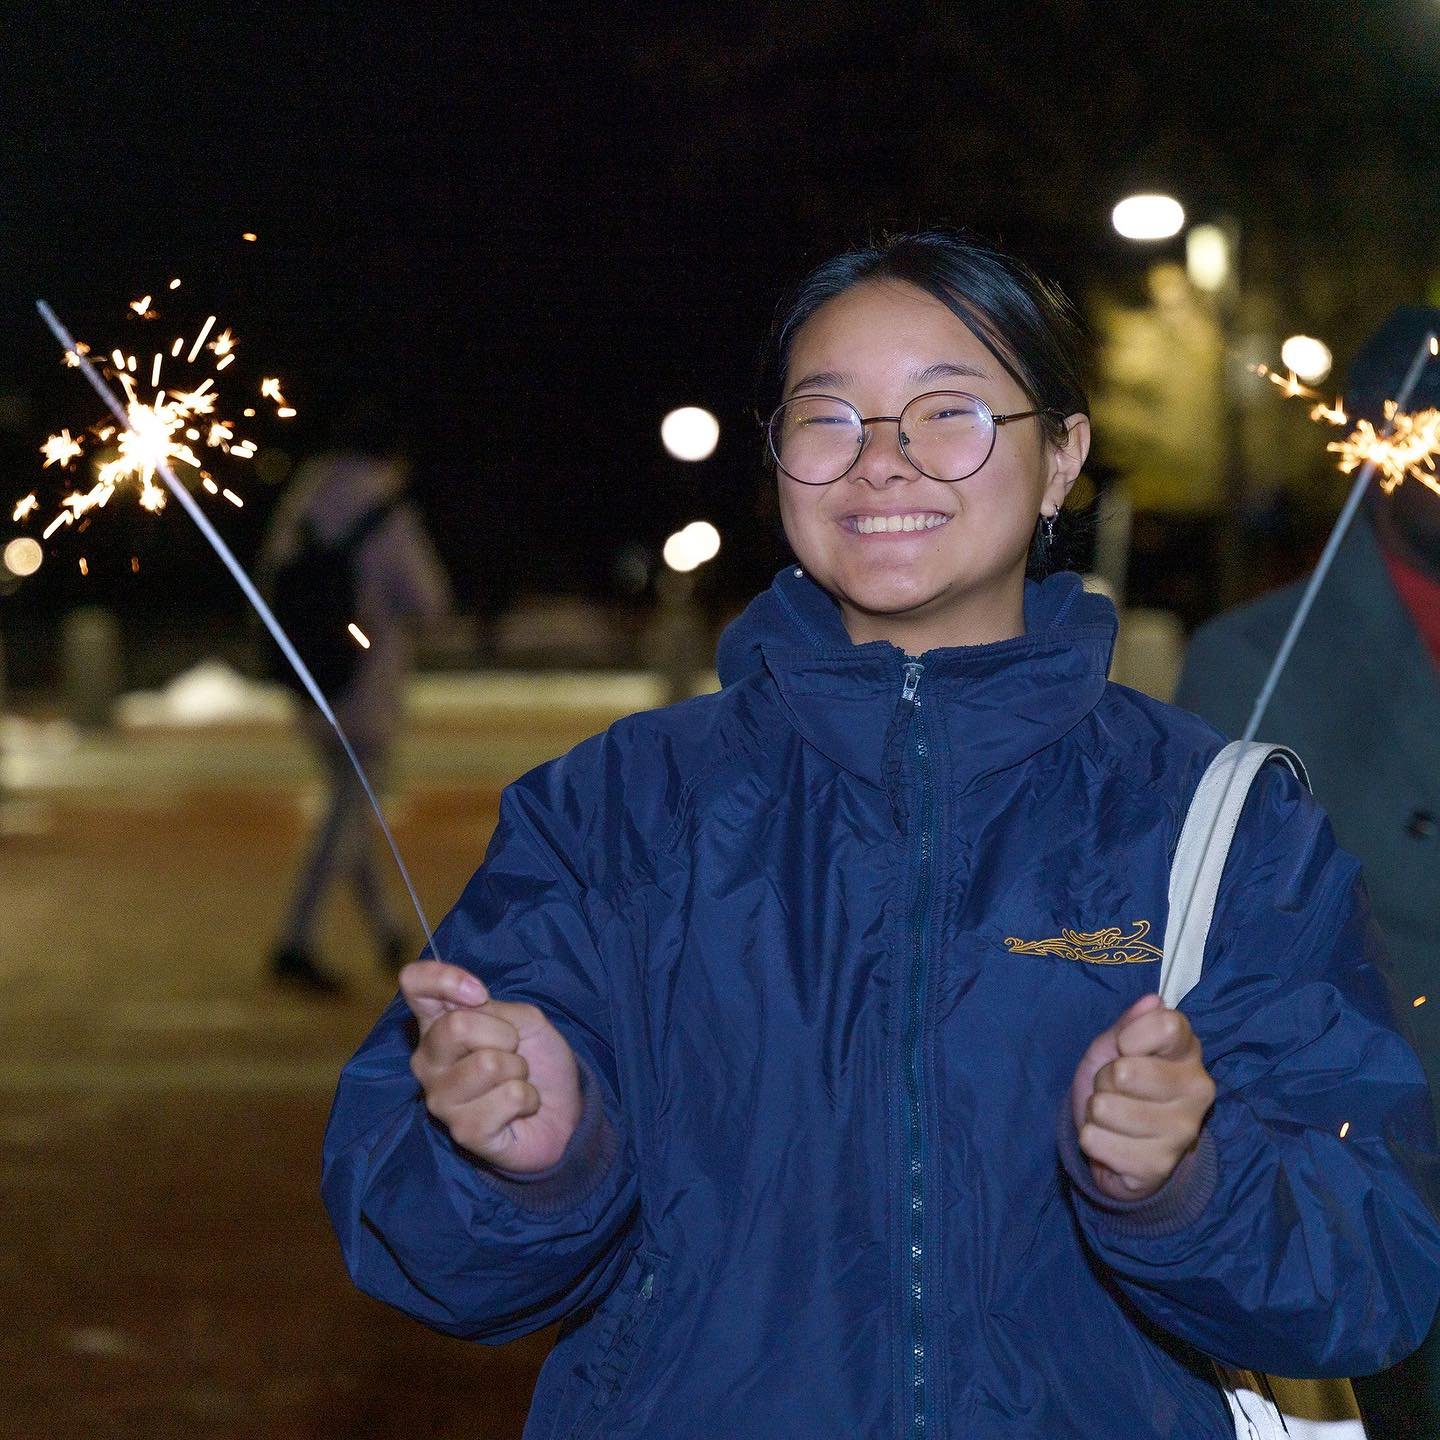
[[296, 968]]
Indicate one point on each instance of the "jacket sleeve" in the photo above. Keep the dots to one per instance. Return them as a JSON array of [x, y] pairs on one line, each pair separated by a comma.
[[1304, 1242], [424, 1225]]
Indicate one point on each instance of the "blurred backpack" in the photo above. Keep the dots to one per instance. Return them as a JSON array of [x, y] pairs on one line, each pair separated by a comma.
[[314, 595]]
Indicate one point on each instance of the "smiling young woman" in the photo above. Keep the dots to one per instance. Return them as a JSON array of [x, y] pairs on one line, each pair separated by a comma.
[[798, 1045], [870, 340]]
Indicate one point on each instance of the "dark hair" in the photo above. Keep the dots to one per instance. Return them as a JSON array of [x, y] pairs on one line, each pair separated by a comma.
[[1025, 322]]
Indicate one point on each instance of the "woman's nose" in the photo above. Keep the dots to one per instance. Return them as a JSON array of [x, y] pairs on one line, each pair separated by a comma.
[[881, 458]]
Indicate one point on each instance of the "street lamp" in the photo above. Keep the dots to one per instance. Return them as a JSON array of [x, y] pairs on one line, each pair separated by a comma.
[[678, 636], [22, 556], [690, 548], [1211, 252], [690, 433], [1148, 217], [1307, 358]]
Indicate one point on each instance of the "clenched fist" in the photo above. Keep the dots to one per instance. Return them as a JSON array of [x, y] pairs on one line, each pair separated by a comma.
[[499, 1076], [1141, 1093]]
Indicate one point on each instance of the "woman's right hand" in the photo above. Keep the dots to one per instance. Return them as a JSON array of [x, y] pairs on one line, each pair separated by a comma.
[[497, 1075]]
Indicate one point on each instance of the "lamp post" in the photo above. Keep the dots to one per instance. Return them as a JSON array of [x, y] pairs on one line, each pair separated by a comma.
[[689, 434], [679, 633], [1211, 250]]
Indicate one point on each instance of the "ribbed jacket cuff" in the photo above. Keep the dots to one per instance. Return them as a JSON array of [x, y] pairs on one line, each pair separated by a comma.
[[574, 1176], [1179, 1202]]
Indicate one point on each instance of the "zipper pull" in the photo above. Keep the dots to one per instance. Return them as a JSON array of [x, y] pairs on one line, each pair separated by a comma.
[[912, 681]]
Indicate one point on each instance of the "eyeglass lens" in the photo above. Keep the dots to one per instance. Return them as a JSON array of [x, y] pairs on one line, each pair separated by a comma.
[[817, 438]]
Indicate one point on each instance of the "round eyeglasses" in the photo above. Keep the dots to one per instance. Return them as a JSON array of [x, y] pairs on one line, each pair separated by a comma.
[[945, 434]]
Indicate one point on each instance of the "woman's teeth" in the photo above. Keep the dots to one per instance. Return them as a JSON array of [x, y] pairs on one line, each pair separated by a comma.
[[893, 524]]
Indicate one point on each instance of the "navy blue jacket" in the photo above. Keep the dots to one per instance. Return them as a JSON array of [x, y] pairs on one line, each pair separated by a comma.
[[829, 945]]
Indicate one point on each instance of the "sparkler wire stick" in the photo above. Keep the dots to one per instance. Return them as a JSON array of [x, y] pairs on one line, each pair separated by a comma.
[[1307, 599], [252, 594]]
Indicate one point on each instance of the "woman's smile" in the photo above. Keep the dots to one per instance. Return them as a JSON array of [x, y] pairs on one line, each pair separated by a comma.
[[886, 524]]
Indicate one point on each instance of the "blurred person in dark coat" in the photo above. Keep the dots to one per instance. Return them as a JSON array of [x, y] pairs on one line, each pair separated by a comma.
[[352, 500], [1360, 701]]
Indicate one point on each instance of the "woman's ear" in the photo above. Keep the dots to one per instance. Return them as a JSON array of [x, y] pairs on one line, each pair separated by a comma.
[[1066, 459]]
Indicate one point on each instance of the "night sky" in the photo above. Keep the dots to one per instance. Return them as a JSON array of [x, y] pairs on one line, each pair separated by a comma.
[[535, 229]]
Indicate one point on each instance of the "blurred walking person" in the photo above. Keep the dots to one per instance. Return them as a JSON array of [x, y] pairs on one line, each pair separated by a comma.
[[346, 547], [1360, 700]]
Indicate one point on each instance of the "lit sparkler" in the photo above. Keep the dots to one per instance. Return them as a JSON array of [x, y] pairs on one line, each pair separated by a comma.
[[156, 445], [1371, 451], [162, 426], [1404, 446]]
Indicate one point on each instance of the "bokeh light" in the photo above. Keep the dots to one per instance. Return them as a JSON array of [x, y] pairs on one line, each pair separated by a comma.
[[1306, 357], [1148, 217], [22, 556], [692, 547], [690, 433]]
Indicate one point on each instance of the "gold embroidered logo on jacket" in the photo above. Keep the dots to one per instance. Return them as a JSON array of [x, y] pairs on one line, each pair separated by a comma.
[[1102, 947]]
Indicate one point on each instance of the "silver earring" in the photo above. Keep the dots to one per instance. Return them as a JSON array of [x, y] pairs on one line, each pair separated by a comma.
[[1049, 521]]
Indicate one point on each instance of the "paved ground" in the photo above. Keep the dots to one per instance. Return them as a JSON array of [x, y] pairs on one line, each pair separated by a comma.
[[166, 1268]]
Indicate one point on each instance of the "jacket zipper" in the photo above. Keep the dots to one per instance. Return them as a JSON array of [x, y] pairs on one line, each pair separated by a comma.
[[919, 934]]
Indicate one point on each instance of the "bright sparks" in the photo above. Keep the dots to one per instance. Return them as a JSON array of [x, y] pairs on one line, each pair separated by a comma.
[[1404, 447], [1407, 452], [361, 638], [60, 450], [170, 427]]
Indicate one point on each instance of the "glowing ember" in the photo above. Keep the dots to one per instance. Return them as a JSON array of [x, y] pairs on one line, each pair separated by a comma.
[[27, 507], [199, 341], [142, 307], [1344, 1129], [59, 450], [1418, 1001], [361, 638]]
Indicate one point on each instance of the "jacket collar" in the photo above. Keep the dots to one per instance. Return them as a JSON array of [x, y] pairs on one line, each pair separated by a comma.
[[996, 704]]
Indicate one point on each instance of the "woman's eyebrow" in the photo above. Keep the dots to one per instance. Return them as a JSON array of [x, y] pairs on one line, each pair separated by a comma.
[[820, 380], [946, 370]]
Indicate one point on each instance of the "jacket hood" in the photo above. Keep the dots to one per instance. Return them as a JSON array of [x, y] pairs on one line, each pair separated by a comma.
[[994, 705]]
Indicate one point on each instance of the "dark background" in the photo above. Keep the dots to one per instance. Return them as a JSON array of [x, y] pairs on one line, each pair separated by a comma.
[[533, 230]]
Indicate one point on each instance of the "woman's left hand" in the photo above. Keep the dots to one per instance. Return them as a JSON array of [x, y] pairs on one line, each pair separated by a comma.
[[1141, 1093]]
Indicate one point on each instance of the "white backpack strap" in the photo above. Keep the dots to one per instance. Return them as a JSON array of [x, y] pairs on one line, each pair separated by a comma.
[[1201, 854]]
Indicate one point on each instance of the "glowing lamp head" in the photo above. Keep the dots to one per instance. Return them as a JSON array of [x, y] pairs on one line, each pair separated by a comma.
[[1148, 217], [1207, 257], [690, 433], [22, 556], [1309, 359], [691, 547]]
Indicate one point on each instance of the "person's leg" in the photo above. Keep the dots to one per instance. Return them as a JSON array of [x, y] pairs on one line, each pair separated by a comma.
[[293, 961], [368, 868]]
